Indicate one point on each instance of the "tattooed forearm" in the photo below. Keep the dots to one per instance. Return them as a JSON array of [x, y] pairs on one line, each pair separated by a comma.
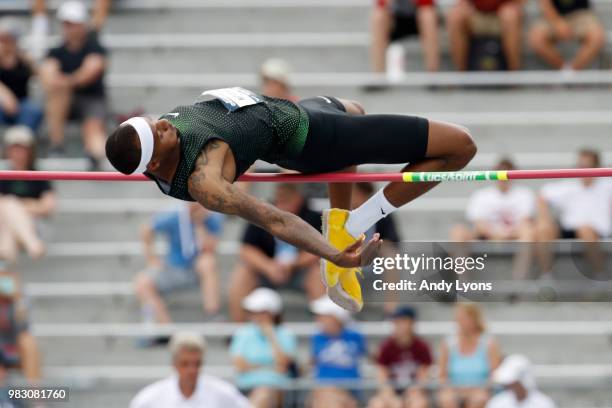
[[217, 194]]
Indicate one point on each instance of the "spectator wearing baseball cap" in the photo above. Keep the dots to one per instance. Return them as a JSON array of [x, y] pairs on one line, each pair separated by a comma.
[[22, 202], [337, 351], [274, 74], [520, 390], [403, 358], [73, 78], [187, 387], [263, 351], [16, 70]]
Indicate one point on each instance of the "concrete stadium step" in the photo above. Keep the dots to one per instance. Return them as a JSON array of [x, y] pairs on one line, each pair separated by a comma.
[[398, 100], [92, 268], [349, 53], [109, 352], [186, 306], [66, 227], [243, 19]]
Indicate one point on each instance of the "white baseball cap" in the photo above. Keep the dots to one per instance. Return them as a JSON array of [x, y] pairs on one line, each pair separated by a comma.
[[276, 69], [513, 368], [263, 300], [19, 135], [73, 12], [324, 306]]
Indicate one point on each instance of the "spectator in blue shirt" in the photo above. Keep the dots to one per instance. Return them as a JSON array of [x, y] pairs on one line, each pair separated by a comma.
[[336, 353], [263, 351], [192, 234]]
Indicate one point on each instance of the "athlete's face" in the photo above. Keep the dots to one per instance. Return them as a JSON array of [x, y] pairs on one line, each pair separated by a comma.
[[165, 139]]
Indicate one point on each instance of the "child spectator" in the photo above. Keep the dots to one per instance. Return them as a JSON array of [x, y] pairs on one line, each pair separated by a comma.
[[263, 351], [467, 360], [73, 78], [403, 358], [268, 261], [16, 70], [22, 202], [567, 20], [337, 351], [192, 235], [393, 20], [473, 18]]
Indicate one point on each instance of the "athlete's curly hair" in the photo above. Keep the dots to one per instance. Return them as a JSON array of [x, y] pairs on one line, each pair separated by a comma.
[[123, 149]]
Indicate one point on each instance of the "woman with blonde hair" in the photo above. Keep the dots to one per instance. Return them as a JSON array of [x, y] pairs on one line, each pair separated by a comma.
[[467, 359]]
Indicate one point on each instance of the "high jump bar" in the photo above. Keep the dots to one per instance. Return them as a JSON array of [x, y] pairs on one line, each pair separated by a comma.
[[407, 177]]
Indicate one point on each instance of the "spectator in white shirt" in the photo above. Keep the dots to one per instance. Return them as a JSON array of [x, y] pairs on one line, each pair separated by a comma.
[[576, 209], [187, 388], [501, 212], [520, 391]]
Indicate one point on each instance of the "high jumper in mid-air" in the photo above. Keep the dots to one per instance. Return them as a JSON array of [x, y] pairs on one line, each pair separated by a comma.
[[196, 152]]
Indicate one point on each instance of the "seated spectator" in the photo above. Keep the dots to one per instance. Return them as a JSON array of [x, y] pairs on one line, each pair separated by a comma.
[[263, 351], [274, 74], [16, 107], [467, 360], [268, 261], [73, 78], [468, 19], [17, 344], [192, 234], [40, 23], [567, 20], [393, 20], [403, 358], [576, 209], [22, 202], [501, 212], [337, 351], [520, 390], [187, 387]]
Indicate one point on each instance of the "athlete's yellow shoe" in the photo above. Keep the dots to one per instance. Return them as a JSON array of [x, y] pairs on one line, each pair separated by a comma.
[[348, 293]]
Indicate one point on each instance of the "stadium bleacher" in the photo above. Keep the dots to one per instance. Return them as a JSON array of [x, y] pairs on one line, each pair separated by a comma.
[[82, 308]]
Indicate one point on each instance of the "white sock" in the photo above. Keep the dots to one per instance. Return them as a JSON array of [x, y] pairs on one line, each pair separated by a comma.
[[369, 213]]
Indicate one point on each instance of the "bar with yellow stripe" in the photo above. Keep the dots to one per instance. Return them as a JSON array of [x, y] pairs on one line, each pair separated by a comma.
[[420, 177]]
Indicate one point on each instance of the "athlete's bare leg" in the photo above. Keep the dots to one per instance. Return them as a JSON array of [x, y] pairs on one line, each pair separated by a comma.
[[450, 147]]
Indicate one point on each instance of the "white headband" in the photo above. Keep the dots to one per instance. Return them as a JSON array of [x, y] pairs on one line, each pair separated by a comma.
[[146, 141]]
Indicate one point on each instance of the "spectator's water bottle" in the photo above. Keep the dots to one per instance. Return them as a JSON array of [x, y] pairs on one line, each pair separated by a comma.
[[395, 62]]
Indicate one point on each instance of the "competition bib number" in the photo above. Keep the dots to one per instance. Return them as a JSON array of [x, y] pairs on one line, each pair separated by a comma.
[[234, 98]]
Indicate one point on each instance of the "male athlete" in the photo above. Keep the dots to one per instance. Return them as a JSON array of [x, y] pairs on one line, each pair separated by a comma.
[[197, 152]]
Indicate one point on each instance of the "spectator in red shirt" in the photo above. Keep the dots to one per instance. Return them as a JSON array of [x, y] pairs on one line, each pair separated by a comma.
[[567, 20], [393, 20], [403, 358], [468, 18]]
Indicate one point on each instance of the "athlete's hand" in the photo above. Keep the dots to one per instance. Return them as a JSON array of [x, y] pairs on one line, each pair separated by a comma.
[[359, 254]]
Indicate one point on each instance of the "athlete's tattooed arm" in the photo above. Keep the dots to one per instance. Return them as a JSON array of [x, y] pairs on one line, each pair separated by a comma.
[[210, 189]]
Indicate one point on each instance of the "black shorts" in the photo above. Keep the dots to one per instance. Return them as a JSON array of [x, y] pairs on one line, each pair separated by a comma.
[[404, 26], [337, 140]]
